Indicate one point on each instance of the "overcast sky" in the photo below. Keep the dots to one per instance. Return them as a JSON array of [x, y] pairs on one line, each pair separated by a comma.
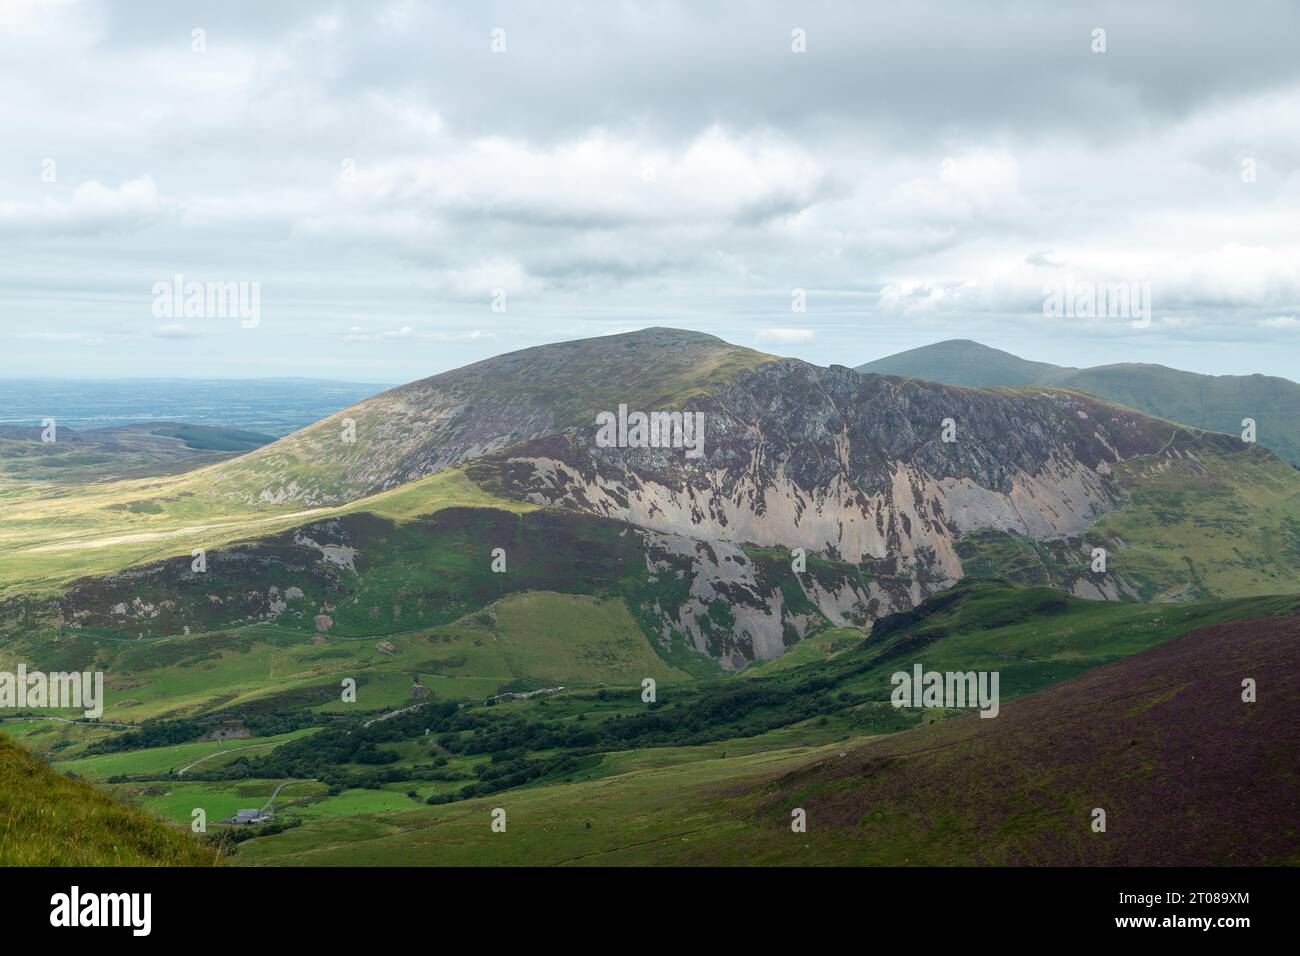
[[923, 171]]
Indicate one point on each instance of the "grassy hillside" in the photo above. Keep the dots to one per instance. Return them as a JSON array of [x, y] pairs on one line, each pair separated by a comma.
[[51, 535], [567, 639], [963, 362], [46, 819], [594, 752], [522, 642], [1213, 402], [1198, 526], [1127, 737]]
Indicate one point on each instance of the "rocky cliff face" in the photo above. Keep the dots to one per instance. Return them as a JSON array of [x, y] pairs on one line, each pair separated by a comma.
[[856, 468], [353, 576]]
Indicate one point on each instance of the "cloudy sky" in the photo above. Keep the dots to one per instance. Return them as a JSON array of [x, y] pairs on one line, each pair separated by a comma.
[[414, 186]]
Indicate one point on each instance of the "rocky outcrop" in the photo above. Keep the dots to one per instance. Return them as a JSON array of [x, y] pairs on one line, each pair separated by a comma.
[[732, 608], [854, 467]]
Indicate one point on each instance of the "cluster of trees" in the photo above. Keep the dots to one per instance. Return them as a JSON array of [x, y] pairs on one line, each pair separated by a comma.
[[515, 772], [719, 714], [525, 745], [229, 838], [152, 733], [164, 733], [333, 753]]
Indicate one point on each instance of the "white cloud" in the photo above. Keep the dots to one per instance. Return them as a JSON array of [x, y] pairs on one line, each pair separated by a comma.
[[92, 207], [618, 170], [357, 334], [785, 335]]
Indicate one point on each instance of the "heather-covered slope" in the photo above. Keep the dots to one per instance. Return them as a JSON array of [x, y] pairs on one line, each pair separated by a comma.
[[1187, 773]]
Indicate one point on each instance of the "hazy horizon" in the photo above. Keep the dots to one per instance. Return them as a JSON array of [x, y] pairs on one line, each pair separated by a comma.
[[784, 353]]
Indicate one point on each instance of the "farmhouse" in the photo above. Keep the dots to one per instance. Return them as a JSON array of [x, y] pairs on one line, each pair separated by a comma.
[[248, 816]]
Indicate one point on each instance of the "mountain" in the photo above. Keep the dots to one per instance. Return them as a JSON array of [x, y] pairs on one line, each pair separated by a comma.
[[47, 819], [420, 428], [963, 362], [821, 498], [856, 468], [499, 573], [1215, 402]]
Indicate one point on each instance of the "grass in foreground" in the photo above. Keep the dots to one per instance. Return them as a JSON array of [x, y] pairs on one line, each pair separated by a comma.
[[50, 820]]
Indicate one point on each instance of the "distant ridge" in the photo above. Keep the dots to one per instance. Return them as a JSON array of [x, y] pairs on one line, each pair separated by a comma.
[[963, 362], [1214, 402]]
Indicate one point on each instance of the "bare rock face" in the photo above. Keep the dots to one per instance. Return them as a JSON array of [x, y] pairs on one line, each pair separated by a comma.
[[855, 467], [735, 609]]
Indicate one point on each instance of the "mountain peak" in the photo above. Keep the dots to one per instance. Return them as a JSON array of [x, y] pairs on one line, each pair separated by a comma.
[[419, 428], [963, 362]]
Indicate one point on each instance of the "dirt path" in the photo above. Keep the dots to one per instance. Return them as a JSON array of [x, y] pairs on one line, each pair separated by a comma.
[[220, 752], [266, 806], [87, 723], [236, 523]]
